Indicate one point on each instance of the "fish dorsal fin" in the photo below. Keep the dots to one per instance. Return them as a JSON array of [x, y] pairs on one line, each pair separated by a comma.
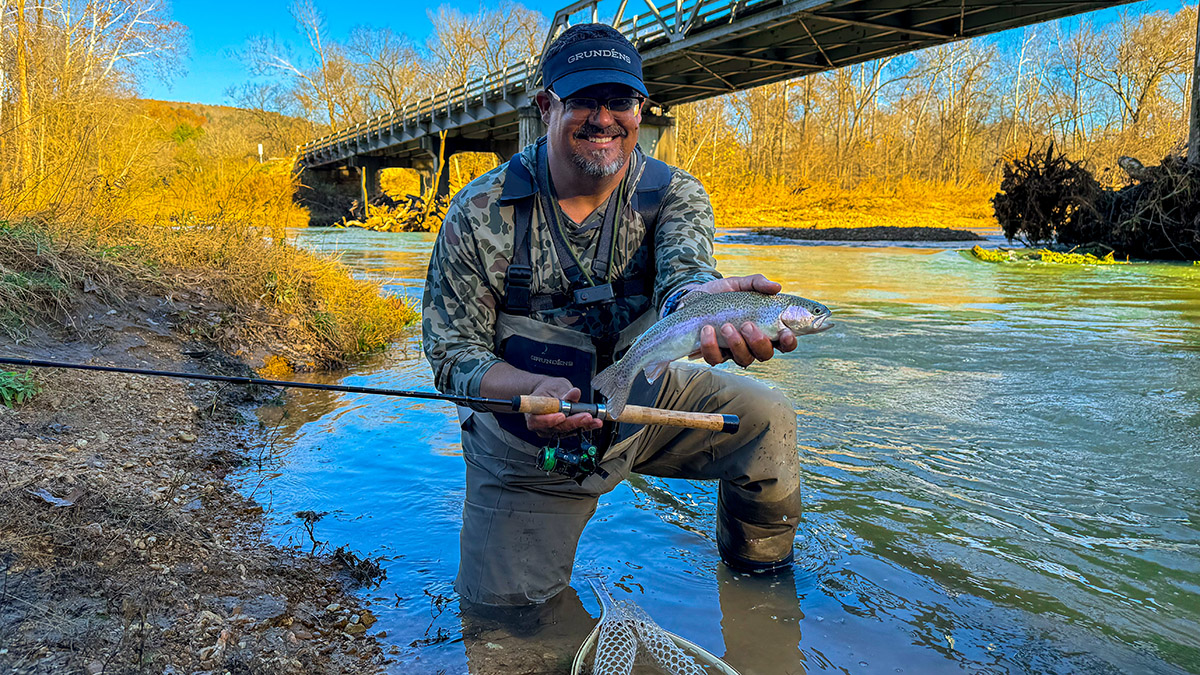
[[691, 296]]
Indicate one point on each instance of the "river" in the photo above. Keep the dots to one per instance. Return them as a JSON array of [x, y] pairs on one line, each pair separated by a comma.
[[1001, 475]]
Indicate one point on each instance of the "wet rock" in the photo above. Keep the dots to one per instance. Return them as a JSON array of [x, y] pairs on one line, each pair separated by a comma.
[[265, 608], [95, 667], [355, 629], [367, 618], [186, 437], [20, 443]]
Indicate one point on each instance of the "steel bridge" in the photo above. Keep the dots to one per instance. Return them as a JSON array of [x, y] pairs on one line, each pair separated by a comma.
[[691, 50]]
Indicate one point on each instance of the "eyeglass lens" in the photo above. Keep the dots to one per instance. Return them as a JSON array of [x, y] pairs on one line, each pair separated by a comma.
[[618, 104]]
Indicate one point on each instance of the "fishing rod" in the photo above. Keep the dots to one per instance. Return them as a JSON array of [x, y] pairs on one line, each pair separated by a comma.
[[535, 405]]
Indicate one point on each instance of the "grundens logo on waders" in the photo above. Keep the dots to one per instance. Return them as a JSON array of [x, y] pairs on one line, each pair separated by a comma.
[[552, 362]]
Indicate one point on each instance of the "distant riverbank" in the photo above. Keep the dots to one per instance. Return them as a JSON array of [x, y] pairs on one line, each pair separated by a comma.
[[884, 233]]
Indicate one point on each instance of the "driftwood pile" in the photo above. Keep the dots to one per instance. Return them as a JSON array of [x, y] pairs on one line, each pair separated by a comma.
[[383, 213], [1047, 198]]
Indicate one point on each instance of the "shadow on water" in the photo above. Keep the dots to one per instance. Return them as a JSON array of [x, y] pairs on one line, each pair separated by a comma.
[[1001, 473]]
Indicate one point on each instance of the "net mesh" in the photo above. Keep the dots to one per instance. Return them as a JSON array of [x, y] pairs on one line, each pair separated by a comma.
[[628, 635]]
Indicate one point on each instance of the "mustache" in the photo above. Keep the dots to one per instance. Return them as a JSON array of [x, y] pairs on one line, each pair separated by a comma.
[[593, 130]]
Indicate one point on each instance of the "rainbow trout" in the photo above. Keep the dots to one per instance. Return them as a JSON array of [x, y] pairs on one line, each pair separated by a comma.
[[678, 335]]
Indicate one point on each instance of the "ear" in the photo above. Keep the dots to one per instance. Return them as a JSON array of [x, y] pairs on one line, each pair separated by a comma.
[[543, 103]]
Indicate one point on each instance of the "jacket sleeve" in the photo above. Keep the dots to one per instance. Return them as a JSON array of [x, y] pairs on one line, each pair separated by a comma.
[[684, 239], [459, 309]]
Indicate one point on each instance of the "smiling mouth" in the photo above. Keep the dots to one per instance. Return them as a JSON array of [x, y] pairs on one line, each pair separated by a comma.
[[598, 136]]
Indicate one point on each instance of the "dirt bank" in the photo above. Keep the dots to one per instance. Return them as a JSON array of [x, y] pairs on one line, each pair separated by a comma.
[[122, 547]]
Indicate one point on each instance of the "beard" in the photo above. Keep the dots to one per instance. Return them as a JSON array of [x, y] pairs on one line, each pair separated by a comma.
[[597, 164]]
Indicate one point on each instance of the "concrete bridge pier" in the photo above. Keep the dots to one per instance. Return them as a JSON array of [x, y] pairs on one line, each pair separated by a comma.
[[529, 126], [656, 136], [368, 174]]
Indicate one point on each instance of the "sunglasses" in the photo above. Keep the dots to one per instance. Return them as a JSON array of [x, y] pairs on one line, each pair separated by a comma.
[[616, 104]]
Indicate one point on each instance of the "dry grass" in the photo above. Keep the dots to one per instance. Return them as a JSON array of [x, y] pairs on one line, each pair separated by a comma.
[[219, 234], [906, 203]]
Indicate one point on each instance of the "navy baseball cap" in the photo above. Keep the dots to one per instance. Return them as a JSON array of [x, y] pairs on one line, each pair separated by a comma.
[[589, 62]]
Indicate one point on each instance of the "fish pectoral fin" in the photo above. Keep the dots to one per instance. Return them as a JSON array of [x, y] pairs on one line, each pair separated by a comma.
[[695, 355], [655, 370]]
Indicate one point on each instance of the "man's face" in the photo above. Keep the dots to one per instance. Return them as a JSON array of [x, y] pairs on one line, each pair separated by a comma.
[[599, 141]]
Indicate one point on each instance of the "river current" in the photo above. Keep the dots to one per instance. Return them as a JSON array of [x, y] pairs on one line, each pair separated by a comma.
[[1001, 469]]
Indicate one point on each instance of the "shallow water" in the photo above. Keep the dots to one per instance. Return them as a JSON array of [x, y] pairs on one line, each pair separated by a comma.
[[1002, 474]]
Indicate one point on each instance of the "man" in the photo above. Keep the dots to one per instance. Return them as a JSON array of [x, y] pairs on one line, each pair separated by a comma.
[[544, 270]]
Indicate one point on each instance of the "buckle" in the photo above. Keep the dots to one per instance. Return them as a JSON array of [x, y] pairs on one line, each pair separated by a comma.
[[594, 294], [516, 288]]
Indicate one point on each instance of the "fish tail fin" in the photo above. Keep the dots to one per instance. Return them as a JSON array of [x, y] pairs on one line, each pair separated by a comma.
[[614, 383]]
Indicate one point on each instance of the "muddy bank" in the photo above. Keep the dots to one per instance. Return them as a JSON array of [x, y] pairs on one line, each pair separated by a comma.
[[869, 233], [122, 547]]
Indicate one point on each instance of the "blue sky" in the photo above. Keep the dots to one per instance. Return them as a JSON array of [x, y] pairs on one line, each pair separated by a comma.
[[216, 27]]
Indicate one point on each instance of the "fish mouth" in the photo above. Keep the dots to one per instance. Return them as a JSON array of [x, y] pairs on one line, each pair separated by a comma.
[[822, 323]]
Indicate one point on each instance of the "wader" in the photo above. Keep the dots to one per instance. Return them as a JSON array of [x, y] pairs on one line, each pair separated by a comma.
[[521, 525]]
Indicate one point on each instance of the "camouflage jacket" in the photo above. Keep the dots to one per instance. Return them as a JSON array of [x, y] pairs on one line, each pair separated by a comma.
[[465, 283]]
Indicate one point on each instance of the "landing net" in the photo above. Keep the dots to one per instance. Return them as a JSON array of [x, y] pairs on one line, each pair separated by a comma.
[[627, 637]]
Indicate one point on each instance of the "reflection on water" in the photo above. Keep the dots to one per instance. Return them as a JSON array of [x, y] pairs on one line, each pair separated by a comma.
[[1001, 475]]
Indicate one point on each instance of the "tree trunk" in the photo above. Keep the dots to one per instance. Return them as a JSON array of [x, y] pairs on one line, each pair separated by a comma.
[[24, 105], [1193, 154]]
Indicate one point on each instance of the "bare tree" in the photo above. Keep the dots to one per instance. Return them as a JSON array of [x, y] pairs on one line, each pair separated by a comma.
[[322, 80], [389, 67], [72, 62], [454, 47], [1135, 56]]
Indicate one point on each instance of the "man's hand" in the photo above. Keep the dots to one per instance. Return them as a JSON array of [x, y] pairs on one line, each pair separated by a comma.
[[558, 424], [747, 343]]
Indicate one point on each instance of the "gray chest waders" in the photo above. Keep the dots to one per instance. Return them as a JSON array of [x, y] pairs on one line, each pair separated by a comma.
[[553, 351]]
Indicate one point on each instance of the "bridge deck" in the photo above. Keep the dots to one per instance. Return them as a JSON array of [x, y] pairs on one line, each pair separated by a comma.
[[695, 49]]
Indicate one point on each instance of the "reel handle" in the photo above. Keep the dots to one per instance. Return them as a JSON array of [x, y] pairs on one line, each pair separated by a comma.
[[632, 414]]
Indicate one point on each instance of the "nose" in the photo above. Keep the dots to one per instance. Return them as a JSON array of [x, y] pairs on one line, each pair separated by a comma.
[[602, 117]]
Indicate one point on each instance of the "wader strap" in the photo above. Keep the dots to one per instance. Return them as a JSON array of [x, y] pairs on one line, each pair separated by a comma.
[[651, 191], [517, 281]]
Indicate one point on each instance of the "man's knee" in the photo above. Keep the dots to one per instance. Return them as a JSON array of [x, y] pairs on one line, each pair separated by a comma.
[[764, 410]]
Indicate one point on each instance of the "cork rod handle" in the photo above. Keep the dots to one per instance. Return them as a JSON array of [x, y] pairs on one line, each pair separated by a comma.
[[636, 414], [632, 414]]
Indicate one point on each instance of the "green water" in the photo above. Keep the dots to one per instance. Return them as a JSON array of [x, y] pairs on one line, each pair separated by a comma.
[[1002, 474]]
